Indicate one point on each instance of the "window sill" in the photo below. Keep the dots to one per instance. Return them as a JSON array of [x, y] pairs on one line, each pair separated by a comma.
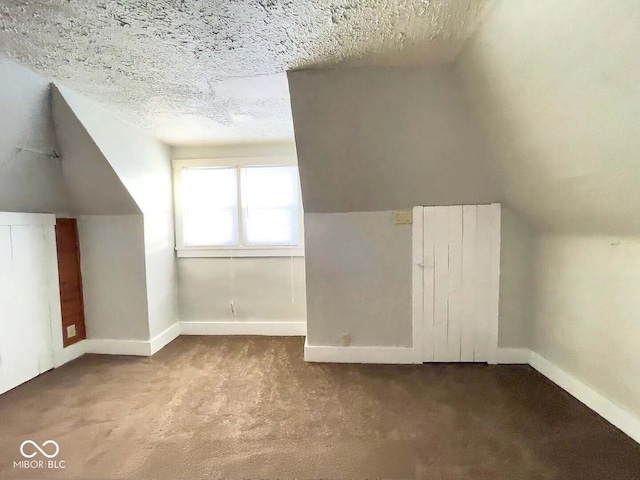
[[240, 252]]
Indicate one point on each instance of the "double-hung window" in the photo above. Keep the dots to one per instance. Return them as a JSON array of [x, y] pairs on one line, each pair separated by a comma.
[[251, 208]]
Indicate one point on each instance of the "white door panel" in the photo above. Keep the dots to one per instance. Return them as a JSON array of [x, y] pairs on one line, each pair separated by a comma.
[[456, 253], [26, 348]]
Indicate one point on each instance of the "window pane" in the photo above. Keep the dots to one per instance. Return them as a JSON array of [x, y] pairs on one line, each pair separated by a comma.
[[271, 226], [211, 187], [210, 207], [270, 187], [270, 204]]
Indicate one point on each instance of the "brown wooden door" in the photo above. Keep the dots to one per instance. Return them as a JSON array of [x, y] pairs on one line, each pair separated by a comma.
[[68, 245]]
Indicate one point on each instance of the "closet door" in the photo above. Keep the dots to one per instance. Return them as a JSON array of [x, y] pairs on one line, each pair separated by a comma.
[[71, 297], [7, 305], [456, 254], [26, 348]]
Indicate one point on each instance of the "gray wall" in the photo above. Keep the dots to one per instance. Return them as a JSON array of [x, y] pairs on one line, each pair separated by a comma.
[[93, 187], [517, 249], [555, 86], [80, 182], [374, 139], [30, 179], [114, 276], [142, 164], [358, 279], [586, 320], [263, 289]]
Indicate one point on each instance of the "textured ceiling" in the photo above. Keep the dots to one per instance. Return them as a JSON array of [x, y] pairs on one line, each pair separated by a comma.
[[196, 71]]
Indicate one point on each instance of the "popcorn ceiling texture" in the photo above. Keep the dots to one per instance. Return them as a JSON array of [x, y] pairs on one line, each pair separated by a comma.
[[204, 70]]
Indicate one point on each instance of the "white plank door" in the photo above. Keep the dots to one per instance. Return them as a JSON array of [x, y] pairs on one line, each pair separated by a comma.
[[456, 253], [26, 345]]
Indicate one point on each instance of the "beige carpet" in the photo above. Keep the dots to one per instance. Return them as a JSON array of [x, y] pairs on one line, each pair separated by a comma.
[[250, 407]]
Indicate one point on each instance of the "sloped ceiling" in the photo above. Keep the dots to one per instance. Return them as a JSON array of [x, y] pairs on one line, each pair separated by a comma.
[[556, 87], [193, 71], [92, 185], [30, 169], [372, 139]]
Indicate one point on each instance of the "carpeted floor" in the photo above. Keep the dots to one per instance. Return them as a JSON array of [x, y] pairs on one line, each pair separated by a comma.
[[250, 407]]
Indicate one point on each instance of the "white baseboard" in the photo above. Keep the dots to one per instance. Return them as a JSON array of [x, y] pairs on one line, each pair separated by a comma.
[[392, 355], [140, 348], [162, 339], [146, 348], [69, 353], [514, 356], [355, 354], [293, 329], [618, 416]]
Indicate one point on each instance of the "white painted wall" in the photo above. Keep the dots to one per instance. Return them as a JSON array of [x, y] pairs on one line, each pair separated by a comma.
[[263, 289], [555, 87], [143, 166], [30, 180], [358, 279], [516, 281], [588, 299], [114, 276]]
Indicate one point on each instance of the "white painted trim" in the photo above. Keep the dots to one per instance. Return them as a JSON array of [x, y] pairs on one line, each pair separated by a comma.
[[140, 348], [164, 338], [195, 252], [355, 354], [514, 356], [417, 284], [239, 161], [60, 354], [240, 250], [22, 219], [146, 348], [292, 329], [70, 353], [618, 416], [495, 219]]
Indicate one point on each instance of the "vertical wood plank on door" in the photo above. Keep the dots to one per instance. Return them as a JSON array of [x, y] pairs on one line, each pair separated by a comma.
[[483, 305], [454, 234], [494, 282], [70, 280], [417, 282], [7, 305], [441, 285], [469, 281], [26, 346], [29, 336], [428, 256]]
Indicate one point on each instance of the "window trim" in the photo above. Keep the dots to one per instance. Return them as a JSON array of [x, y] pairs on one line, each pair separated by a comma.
[[241, 250]]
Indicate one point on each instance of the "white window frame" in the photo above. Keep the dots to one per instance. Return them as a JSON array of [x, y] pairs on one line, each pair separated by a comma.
[[240, 250]]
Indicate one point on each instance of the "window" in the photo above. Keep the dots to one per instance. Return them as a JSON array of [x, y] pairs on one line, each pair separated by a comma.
[[243, 210]]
